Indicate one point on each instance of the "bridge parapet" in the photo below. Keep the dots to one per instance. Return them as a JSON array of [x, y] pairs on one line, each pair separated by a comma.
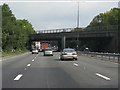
[[95, 28], [56, 30], [102, 28]]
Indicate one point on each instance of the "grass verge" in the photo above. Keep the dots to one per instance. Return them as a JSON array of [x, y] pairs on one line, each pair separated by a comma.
[[4, 54]]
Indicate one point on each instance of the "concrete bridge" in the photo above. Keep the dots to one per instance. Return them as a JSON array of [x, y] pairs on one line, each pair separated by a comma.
[[92, 33]]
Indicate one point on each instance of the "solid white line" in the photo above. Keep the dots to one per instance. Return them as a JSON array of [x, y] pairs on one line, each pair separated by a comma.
[[75, 64], [29, 65], [18, 77], [102, 76], [3, 59], [33, 60]]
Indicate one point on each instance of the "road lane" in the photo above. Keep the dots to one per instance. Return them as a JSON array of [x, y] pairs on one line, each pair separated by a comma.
[[12, 67], [50, 72], [87, 69], [45, 73]]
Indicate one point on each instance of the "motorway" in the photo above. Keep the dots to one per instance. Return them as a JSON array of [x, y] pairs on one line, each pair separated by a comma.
[[38, 71]]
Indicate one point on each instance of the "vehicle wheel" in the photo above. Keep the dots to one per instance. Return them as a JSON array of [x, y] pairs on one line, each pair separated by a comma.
[[76, 59], [61, 59]]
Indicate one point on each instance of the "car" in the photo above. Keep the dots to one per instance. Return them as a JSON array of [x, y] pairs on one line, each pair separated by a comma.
[[48, 52], [35, 51], [68, 53]]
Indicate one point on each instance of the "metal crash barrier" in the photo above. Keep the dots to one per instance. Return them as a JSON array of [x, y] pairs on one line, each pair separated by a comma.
[[115, 57]]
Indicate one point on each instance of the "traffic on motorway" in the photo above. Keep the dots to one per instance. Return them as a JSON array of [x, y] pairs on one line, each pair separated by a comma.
[[39, 71], [66, 54]]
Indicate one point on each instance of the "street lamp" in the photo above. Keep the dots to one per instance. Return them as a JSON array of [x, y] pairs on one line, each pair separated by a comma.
[[78, 15], [78, 26]]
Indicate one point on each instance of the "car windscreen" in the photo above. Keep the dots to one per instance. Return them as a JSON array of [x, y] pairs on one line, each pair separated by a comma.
[[48, 50], [68, 50], [34, 49]]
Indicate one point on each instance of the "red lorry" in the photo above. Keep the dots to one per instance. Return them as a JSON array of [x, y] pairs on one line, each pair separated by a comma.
[[44, 45]]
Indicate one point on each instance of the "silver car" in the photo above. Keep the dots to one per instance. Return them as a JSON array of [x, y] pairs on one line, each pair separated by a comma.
[[35, 51], [68, 53], [48, 52]]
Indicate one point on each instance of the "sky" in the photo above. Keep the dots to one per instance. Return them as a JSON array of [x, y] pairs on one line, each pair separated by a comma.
[[46, 15]]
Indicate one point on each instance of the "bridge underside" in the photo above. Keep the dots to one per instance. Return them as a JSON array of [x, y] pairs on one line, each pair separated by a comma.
[[105, 41]]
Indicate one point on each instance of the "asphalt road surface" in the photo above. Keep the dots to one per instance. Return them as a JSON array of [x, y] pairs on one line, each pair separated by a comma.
[[38, 71]]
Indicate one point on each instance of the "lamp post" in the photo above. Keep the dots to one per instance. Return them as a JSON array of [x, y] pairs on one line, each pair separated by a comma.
[[77, 26], [78, 15]]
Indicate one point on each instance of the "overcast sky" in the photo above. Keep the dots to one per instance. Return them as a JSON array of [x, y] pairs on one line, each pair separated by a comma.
[[52, 14]]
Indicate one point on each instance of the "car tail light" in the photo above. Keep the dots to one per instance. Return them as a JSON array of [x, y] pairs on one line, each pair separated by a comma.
[[74, 54], [64, 54]]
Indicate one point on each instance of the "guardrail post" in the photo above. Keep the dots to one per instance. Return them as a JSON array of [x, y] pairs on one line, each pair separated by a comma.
[[118, 58], [109, 57], [101, 56]]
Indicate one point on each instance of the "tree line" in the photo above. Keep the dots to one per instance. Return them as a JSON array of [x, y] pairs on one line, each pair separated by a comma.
[[15, 32], [107, 18]]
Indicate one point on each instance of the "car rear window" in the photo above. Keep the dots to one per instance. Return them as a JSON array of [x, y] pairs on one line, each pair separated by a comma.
[[68, 50], [47, 49], [34, 49]]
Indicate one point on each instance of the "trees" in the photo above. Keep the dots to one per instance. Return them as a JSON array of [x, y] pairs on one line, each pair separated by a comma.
[[106, 19], [14, 32]]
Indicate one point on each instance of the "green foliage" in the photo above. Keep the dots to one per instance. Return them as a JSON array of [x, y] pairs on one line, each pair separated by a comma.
[[106, 19], [15, 33]]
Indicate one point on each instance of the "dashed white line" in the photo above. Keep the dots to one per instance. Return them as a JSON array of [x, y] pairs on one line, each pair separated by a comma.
[[33, 60], [18, 77], [75, 64], [29, 65], [25, 69], [102, 76]]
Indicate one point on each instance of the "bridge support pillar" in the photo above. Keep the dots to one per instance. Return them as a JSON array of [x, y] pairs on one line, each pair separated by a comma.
[[63, 42], [59, 45]]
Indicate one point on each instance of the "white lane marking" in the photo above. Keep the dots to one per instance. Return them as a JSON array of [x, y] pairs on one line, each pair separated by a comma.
[[3, 59], [102, 76], [25, 69], [29, 65], [18, 77], [75, 64], [33, 60]]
